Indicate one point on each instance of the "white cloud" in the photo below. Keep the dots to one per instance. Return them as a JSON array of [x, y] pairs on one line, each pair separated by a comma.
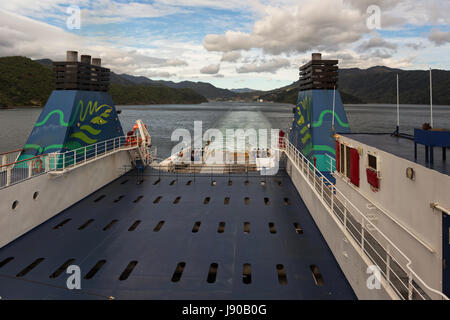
[[376, 42], [270, 66], [175, 63], [439, 37], [210, 69], [231, 56]]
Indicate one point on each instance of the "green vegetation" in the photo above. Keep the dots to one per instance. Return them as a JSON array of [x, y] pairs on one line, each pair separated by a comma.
[[144, 94], [24, 82]]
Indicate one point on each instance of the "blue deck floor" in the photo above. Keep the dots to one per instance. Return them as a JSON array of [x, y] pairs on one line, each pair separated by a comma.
[[158, 252]]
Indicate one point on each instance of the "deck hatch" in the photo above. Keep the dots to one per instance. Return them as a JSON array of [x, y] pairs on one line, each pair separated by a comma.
[[84, 225], [178, 272], [30, 267], [126, 273], [158, 226], [282, 279], [247, 273], [318, 279], [59, 225], [212, 273], [62, 268], [6, 261], [94, 269], [134, 225], [109, 225]]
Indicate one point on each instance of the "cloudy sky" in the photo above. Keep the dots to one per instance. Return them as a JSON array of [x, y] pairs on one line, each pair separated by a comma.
[[233, 43]]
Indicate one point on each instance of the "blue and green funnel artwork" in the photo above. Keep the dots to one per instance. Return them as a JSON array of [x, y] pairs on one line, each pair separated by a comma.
[[72, 119], [312, 127]]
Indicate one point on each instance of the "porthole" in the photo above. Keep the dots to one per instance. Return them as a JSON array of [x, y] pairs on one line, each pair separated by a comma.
[[35, 195], [15, 204]]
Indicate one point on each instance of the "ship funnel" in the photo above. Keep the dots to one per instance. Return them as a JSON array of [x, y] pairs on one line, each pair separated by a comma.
[[85, 59], [72, 56], [97, 62], [316, 56]]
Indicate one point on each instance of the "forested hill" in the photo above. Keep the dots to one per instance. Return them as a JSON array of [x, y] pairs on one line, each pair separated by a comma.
[[24, 82]]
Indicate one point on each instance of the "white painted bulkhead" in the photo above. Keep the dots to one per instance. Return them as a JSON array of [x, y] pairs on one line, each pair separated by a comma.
[[401, 206], [352, 263], [55, 192]]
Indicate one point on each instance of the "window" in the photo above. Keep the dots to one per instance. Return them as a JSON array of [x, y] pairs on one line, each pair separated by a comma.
[[347, 160], [342, 159], [372, 161]]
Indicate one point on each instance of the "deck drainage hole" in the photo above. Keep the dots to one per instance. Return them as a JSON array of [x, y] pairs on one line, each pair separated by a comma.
[[6, 261], [123, 182], [246, 182], [272, 227], [178, 272], [246, 227], [156, 182], [15, 204], [263, 183], [318, 279], [189, 183], [62, 268], [196, 227], [247, 273], [30, 267], [206, 201], [279, 183], [282, 279], [158, 226], [109, 225], [99, 198], [298, 228], [226, 200], [138, 199], [139, 181], [177, 200], [59, 225], [230, 183], [35, 195], [266, 201], [287, 202], [247, 200], [157, 199], [134, 225], [213, 183], [172, 182], [94, 269], [119, 198], [221, 228], [84, 225], [126, 273], [212, 273]]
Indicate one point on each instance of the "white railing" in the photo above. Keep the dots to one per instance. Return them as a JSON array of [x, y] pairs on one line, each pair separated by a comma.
[[394, 266], [332, 162], [17, 171]]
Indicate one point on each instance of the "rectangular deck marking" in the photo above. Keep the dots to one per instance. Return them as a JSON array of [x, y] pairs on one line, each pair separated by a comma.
[[178, 272], [126, 273], [266, 201], [134, 225], [109, 225], [94, 269], [247, 273], [62, 268], [189, 183], [59, 225], [29, 267], [173, 182], [272, 227], [282, 279], [156, 182], [230, 183], [100, 198], [119, 198], [157, 199], [196, 227], [212, 273], [221, 228], [84, 225], [123, 182], [226, 200], [298, 228], [287, 202], [138, 199], [158, 226], [177, 200], [247, 200], [318, 279], [246, 227], [6, 261], [206, 201]]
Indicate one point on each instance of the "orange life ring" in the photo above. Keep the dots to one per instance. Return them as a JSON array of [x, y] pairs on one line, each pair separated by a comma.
[[37, 165]]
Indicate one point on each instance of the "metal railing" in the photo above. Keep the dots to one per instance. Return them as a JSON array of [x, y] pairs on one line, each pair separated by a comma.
[[394, 266], [17, 171]]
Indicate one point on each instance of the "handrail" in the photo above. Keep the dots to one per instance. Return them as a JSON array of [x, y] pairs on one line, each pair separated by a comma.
[[23, 160], [11, 151], [288, 148]]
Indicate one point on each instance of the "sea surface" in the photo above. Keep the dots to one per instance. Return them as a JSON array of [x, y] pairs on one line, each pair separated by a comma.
[[162, 120]]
